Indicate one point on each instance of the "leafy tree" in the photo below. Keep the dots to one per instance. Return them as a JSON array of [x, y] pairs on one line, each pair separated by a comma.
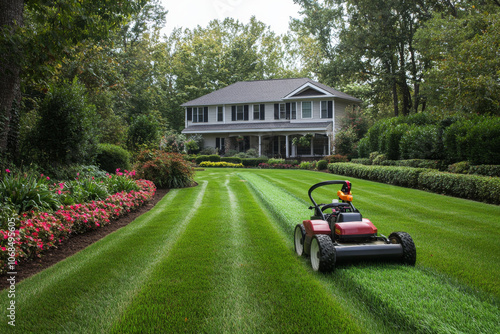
[[36, 35], [463, 49], [143, 132], [370, 42]]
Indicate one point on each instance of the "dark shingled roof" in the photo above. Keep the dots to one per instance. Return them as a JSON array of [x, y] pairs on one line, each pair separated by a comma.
[[260, 91], [257, 127]]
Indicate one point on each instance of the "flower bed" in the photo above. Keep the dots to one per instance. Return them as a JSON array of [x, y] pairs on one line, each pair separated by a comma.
[[39, 231], [219, 164]]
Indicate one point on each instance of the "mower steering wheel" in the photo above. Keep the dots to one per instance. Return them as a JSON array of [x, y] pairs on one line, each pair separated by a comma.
[[333, 205]]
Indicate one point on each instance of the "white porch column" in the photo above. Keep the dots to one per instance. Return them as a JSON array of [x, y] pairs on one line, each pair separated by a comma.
[[287, 149], [329, 146], [260, 145]]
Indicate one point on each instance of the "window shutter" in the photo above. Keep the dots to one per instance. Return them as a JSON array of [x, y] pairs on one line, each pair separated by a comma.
[[288, 111], [205, 114], [245, 112], [276, 111], [233, 113], [189, 114], [330, 109], [262, 112]]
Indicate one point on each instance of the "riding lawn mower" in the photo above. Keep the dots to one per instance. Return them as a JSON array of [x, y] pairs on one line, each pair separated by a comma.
[[345, 236]]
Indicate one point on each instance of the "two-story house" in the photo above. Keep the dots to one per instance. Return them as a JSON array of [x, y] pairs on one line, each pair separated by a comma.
[[266, 115]]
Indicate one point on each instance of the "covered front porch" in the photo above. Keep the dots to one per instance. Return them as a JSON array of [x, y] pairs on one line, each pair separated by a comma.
[[282, 145]]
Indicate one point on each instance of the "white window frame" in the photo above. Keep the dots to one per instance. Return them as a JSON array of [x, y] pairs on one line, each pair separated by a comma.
[[240, 110], [222, 113], [293, 112], [302, 109], [256, 111], [282, 111]]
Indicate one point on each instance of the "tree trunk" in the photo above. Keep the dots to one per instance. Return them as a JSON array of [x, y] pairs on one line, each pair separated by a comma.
[[11, 17]]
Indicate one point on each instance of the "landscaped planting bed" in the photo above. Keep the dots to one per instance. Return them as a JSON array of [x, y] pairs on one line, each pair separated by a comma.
[[219, 258]]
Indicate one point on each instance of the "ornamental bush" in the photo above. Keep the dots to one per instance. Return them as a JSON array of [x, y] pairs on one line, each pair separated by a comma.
[[110, 157], [233, 160], [220, 164], [322, 165], [253, 162], [212, 158], [166, 170]]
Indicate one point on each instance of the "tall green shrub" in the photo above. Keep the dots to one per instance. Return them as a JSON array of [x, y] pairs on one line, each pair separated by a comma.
[[144, 131], [110, 157], [67, 128], [420, 142]]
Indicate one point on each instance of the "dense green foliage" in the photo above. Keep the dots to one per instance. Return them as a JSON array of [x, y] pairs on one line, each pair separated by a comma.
[[110, 157], [474, 187], [66, 129], [428, 136]]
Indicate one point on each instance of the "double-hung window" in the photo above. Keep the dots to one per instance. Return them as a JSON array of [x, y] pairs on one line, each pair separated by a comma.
[[294, 110], [307, 109], [220, 114], [256, 111], [326, 109]]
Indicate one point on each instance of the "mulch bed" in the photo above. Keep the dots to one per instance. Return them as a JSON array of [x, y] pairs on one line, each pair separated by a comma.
[[77, 243]]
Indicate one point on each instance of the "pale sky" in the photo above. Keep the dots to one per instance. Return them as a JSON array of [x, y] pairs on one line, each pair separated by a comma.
[[190, 13]]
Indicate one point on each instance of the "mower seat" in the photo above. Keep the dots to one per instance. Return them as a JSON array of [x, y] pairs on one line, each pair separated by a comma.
[[345, 217]]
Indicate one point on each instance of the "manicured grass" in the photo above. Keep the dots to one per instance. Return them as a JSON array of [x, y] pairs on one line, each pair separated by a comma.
[[454, 236], [419, 299], [218, 258]]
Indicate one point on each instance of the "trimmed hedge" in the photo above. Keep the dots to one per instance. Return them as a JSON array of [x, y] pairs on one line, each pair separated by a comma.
[[253, 162], [110, 157], [475, 187], [486, 170], [401, 176], [362, 161], [233, 160], [212, 158]]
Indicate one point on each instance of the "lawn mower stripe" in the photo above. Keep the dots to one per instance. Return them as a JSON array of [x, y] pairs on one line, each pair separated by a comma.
[[375, 290]]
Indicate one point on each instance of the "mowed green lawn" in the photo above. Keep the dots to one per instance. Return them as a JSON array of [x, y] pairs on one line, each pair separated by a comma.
[[218, 258]]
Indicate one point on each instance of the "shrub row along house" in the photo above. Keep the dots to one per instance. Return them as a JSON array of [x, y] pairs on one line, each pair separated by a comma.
[[267, 115]]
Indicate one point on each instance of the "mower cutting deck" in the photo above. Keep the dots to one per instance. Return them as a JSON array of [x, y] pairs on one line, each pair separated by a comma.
[[344, 235]]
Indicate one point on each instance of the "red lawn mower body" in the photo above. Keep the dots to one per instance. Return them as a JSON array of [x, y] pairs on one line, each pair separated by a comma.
[[344, 235]]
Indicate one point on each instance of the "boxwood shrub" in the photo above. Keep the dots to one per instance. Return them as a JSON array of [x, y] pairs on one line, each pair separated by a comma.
[[233, 160], [110, 157], [212, 158], [253, 162], [475, 187], [486, 170]]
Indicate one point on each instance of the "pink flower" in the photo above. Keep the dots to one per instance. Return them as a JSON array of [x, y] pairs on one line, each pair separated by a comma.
[[48, 178], [7, 170], [61, 185]]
